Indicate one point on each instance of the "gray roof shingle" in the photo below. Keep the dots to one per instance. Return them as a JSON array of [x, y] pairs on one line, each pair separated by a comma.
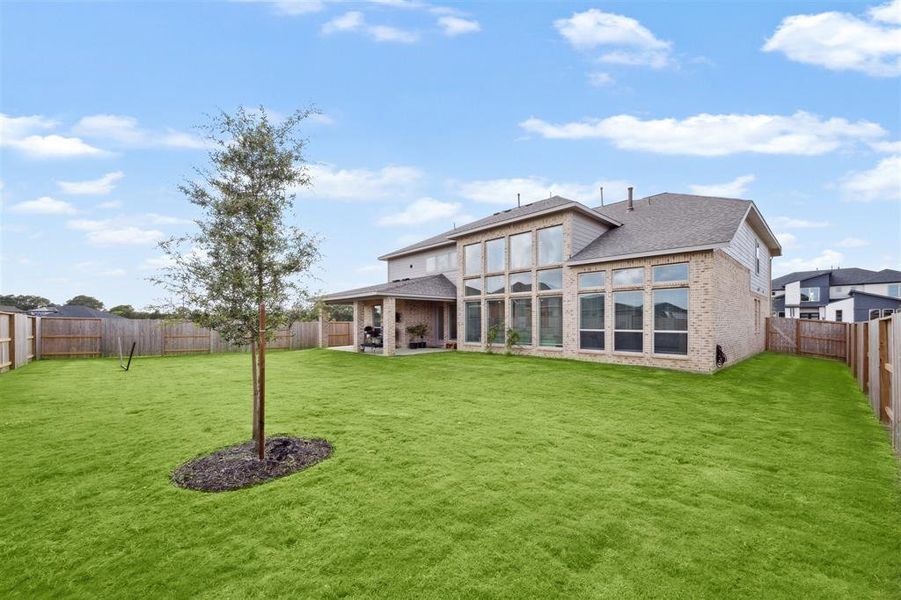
[[885, 276], [666, 222], [848, 276], [430, 286]]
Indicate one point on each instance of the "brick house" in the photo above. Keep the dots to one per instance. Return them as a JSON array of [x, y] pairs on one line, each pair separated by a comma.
[[658, 281]]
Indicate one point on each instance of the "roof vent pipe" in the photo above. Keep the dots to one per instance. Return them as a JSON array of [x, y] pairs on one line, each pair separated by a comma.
[[517, 200], [629, 205]]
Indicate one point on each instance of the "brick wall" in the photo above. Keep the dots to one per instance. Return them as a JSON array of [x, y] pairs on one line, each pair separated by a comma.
[[740, 328]]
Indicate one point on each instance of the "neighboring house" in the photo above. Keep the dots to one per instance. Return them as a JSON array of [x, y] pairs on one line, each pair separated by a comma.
[[10, 309], [72, 310], [845, 295], [660, 281]]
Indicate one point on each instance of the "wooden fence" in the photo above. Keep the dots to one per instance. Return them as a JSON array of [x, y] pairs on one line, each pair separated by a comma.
[[340, 333], [871, 349], [18, 341]]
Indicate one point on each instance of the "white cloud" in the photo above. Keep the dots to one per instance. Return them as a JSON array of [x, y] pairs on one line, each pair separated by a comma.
[[110, 204], [844, 42], [23, 134], [126, 131], [827, 259], [385, 33], [355, 21], [156, 262], [454, 26], [852, 242], [601, 79], [112, 232], [622, 40], [45, 205], [787, 240], [530, 189], [423, 210], [333, 183], [158, 219], [716, 135], [792, 223], [887, 147], [349, 21], [99, 187], [882, 182], [729, 189]]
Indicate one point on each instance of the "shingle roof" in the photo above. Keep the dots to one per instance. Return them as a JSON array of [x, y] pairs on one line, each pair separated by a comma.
[[73, 310], [849, 276], [885, 276], [430, 286], [548, 204], [10, 309], [666, 222]]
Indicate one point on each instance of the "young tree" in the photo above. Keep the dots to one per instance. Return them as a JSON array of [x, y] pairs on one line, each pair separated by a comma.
[[243, 269]]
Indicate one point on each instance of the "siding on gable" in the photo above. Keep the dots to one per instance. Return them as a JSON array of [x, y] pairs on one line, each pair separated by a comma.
[[584, 231], [414, 265], [742, 248]]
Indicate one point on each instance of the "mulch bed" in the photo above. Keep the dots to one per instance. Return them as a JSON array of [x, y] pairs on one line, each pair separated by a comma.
[[238, 467]]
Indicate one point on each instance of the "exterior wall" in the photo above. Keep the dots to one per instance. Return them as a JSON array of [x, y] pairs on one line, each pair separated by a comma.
[[847, 308], [864, 304], [792, 294], [738, 312], [584, 231], [743, 248], [415, 265], [413, 312], [875, 288]]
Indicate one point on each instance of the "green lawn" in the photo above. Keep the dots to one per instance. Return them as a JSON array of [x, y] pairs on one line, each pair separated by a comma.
[[454, 475]]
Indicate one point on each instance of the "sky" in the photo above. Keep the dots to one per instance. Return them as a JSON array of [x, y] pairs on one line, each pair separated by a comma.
[[436, 114]]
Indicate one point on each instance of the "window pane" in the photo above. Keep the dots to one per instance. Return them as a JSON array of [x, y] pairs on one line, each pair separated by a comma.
[[520, 282], [591, 311], [628, 276], [671, 310], [496, 321], [671, 343], [550, 279], [629, 307], [664, 273], [550, 245], [521, 319], [472, 287], [430, 263], [521, 250], [591, 280], [452, 330], [550, 321], [494, 284], [472, 259], [894, 290], [627, 341], [473, 322], [591, 340], [377, 315], [494, 255], [810, 294]]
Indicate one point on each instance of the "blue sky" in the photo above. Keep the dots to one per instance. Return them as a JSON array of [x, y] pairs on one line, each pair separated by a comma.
[[434, 114]]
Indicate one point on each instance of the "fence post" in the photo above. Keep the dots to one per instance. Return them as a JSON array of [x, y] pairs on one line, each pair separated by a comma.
[[885, 382]]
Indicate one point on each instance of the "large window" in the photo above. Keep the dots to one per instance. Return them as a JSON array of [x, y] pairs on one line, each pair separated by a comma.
[[472, 259], [521, 319], [668, 273], [550, 279], [473, 322], [810, 294], [472, 287], [520, 282], [377, 315], [627, 277], [494, 284], [550, 321], [591, 321], [594, 279], [494, 255], [550, 245], [521, 250], [629, 323], [671, 321], [894, 290], [496, 322], [441, 262]]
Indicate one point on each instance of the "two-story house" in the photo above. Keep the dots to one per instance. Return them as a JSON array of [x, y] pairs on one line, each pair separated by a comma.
[[844, 295], [659, 281]]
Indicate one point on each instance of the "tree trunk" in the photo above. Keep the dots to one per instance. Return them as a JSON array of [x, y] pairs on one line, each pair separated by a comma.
[[261, 378], [255, 425]]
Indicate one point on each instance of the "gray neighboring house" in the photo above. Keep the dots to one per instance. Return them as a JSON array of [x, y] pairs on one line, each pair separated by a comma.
[[845, 295], [72, 310], [658, 281]]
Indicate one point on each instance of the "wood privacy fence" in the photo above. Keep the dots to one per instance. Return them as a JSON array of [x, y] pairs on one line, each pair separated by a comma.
[[24, 338], [340, 333], [871, 349]]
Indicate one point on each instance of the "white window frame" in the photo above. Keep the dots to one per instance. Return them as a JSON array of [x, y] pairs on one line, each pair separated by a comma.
[[603, 285], [654, 273], [817, 294], [481, 258], [874, 310], [538, 244], [503, 246]]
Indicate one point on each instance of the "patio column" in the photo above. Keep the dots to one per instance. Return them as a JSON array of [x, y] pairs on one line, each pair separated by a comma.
[[389, 340], [357, 325], [323, 326]]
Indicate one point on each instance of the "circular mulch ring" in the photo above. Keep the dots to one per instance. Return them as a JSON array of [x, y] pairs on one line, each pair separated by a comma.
[[237, 467]]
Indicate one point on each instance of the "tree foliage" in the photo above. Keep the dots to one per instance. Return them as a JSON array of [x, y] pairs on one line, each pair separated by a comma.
[[83, 300], [24, 301]]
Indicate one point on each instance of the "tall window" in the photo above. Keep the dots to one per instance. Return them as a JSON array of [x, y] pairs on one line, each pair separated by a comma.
[[496, 322], [494, 284], [550, 245], [629, 323], [550, 321], [521, 319], [668, 273], [377, 315], [520, 282], [452, 330], [550, 279], [472, 259], [838, 316], [671, 321], [757, 257], [473, 322], [628, 277], [810, 294], [521, 250], [494, 255], [591, 321], [472, 287], [594, 279]]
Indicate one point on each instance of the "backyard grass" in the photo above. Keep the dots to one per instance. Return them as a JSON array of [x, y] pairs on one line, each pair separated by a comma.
[[454, 475]]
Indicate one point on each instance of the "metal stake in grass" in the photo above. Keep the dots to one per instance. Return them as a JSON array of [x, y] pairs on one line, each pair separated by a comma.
[[261, 382]]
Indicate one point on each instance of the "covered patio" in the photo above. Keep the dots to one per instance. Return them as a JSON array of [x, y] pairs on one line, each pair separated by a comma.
[[384, 314]]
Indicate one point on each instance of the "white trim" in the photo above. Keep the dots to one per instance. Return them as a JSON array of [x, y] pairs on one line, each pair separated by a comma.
[[664, 252]]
